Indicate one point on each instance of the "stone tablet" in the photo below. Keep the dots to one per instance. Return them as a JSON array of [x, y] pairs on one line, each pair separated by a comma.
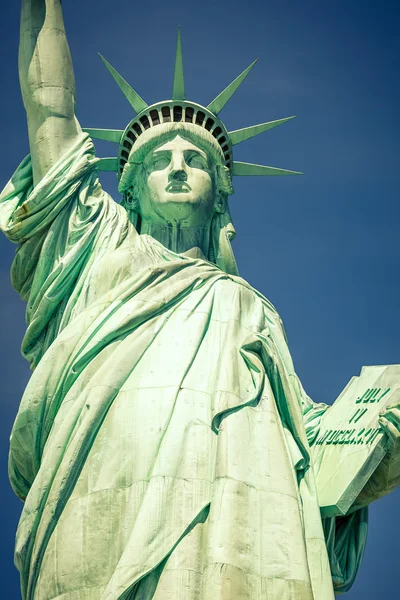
[[350, 443]]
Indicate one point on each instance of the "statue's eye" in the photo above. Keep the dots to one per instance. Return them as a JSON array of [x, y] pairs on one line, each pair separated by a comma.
[[159, 162], [196, 161]]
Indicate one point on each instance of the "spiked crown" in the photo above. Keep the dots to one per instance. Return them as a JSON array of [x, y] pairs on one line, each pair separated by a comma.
[[178, 109]]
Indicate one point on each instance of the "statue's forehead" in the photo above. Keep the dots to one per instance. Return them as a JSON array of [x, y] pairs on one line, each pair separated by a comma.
[[178, 143]]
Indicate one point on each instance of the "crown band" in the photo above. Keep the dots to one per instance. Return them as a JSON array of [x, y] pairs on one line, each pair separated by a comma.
[[168, 112]]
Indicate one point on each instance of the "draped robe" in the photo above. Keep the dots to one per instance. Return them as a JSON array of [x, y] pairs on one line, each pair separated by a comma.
[[162, 444]]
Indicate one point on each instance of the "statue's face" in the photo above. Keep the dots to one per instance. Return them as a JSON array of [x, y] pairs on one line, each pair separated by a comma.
[[178, 185]]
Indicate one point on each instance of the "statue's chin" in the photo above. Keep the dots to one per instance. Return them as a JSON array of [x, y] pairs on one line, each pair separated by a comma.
[[184, 205], [180, 195]]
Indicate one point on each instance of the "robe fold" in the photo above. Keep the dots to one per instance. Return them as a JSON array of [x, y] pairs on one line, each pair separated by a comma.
[[162, 444]]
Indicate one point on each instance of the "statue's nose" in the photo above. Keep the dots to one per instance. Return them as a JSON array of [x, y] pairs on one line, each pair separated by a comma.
[[178, 170], [178, 175]]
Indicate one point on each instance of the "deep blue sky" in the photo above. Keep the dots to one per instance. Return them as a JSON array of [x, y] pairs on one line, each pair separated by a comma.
[[324, 247]]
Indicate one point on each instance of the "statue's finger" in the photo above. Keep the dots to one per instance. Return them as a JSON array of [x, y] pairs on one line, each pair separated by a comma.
[[390, 430], [390, 406], [393, 415], [390, 410]]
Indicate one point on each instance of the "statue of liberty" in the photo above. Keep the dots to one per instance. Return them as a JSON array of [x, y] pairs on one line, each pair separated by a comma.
[[162, 446]]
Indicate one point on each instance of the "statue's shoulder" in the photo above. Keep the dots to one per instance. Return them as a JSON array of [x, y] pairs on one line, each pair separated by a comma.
[[247, 288], [237, 294]]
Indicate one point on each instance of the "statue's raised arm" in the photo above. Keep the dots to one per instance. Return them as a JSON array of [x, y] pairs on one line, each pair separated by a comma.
[[47, 83], [54, 207]]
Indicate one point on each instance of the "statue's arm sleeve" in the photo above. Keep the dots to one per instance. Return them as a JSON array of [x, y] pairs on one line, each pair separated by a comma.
[[312, 415], [47, 84], [62, 226]]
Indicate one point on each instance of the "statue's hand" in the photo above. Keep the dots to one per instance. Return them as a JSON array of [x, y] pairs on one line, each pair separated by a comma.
[[386, 476], [389, 421]]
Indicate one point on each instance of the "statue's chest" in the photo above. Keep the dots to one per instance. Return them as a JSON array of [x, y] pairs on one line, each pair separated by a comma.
[[113, 267]]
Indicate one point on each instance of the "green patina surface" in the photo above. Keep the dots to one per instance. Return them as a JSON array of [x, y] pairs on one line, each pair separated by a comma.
[[162, 446]]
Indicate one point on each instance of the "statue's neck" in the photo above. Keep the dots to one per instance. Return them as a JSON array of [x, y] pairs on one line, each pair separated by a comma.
[[191, 241]]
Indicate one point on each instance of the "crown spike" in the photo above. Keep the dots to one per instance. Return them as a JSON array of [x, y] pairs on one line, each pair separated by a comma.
[[248, 169], [137, 103], [108, 135], [108, 164], [178, 90], [240, 135], [219, 102]]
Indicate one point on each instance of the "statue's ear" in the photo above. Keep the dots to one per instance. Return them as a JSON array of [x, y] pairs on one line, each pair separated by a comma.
[[131, 200], [222, 232], [130, 203], [220, 202]]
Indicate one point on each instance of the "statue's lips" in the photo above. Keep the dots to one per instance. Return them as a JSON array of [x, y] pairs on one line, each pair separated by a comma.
[[178, 187]]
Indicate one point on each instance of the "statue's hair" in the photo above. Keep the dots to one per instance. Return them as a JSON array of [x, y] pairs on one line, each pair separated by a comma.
[[220, 251]]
